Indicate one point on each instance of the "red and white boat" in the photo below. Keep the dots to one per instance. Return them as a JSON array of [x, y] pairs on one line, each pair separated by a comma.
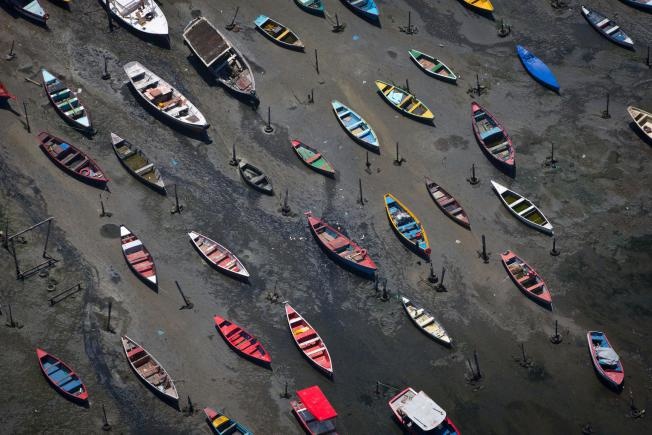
[[242, 342], [419, 414], [314, 411], [309, 341], [62, 377], [605, 359], [218, 256], [527, 279], [138, 258]]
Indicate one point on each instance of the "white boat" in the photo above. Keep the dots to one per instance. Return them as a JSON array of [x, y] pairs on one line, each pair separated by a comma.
[[144, 16], [418, 409], [523, 209], [426, 322], [218, 256], [642, 119]]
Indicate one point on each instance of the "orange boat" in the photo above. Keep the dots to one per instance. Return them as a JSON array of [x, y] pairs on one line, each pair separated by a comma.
[[309, 341]]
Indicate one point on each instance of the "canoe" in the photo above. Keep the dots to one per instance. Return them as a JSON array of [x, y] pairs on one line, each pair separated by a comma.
[[523, 209], [5, 94], [313, 158], [340, 248], [144, 16], [63, 378], [426, 322], [255, 177], [150, 371], [537, 69], [137, 163], [315, 7], [418, 413], [242, 342], [404, 102], [223, 425], [642, 119], [72, 160], [164, 98], [356, 127], [365, 8], [30, 9], [138, 258], [309, 341], [528, 281], [492, 137], [447, 203], [407, 226], [644, 5], [314, 412], [432, 66], [605, 360], [483, 6], [277, 32], [66, 103], [607, 28], [218, 256]]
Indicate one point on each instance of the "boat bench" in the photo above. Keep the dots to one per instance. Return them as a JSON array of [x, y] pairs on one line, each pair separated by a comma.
[[257, 180], [71, 385], [144, 169]]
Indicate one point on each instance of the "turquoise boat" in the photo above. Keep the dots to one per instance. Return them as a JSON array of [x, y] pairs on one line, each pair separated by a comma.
[[356, 127], [365, 8], [315, 7]]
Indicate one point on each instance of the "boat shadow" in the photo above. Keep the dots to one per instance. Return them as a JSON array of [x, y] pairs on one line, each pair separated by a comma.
[[639, 133], [162, 41], [4, 105]]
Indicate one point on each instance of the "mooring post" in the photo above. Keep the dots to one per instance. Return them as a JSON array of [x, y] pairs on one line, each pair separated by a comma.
[[106, 74], [108, 319], [311, 97], [377, 387], [368, 164], [231, 25], [178, 208], [477, 83], [648, 57], [316, 62], [5, 239], [376, 279], [285, 208], [268, 127], [106, 426], [433, 276], [523, 352], [11, 323], [29, 130], [477, 365], [441, 286], [47, 239], [556, 338], [473, 180], [554, 252], [398, 160], [385, 296], [361, 199], [407, 85], [285, 394], [234, 159], [605, 113], [187, 304], [485, 257], [12, 55]]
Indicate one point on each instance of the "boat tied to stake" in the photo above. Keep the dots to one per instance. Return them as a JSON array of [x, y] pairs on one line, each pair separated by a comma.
[[407, 226], [426, 322], [138, 258], [537, 69], [356, 126], [278, 33], [218, 256], [417, 413], [528, 281], [605, 359], [403, 101], [313, 158], [314, 411], [223, 425], [144, 16], [66, 103], [242, 342], [447, 203], [492, 137], [61, 377], [72, 160], [137, 164], [433, 66], [523, 209], [309, 341]]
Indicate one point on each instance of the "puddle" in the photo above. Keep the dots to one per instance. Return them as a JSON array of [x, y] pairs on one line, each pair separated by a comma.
[[110, 231]]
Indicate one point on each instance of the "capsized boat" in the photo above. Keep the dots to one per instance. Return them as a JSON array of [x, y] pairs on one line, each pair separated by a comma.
[[30, 9], [492, 137], [313, 158], [223, 425], [407, 226], [63, 378], [218, 256], [309, 341], [365, 8], [66, 103], [137, 163], [432, 66], [277, 32], [642, 119], [447, 203], [144, 16], [537, 69], [242, 342], [315, 7], [607, 28], [482, 6], [314, 411], [418, 413], [72, 160], [426, 322], [523, 209], [255, 177], [605, 359], [528, 281], [404, 102], [138, 258], [356, 127]]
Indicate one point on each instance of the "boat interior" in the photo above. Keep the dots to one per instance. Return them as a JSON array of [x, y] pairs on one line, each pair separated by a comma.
[[62, 376]]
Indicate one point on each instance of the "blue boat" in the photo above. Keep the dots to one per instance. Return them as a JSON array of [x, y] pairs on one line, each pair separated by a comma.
[[644, 5], [315, 7], [537, 68], [356, 127], [365, 8], [608, 28]]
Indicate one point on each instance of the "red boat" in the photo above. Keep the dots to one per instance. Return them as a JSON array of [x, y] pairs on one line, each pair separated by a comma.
[[419, 414], [605, 359], [309, 341], [314, 411], [447, 204], [72, 160], [4, 93], [492, 137], [62, 377], [527, 279], [242, 342], [138, 258]]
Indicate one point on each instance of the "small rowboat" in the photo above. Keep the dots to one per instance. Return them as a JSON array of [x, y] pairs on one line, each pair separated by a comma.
[[223, 425], [523, 209], [528, 281], [314, 411], [432, 66], [137, 163], [482, 6], [315, 7], [340, 248], [492, 137], [255, 177], [66, 103], [537, 69], [218, 256], [309, 341], [150, 371], [425, 322], [418, 413], [138, 258], [365, 8], [447, 203], [356, 127], [642, 119], [144, 16], [30, 9], [407, 226], [404, 102], [242, 342], [164, 98], [72, 160], [62, 377], [605, 360], [277, 32], [644, 5], [5, 94], [607, 28], [313, 158]]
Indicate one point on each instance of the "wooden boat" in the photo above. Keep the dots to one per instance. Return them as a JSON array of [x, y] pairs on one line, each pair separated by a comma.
[[447, 203], [340, 248], [426, 322], [164, 98], [537, 69], [137, 163], [314, 412], [255, 177], [528, 281], [5, 94], [605, 360], [356, 127], [365, 8], [642, 119], [482, 6], [432, 66], [407, 226], [242, 342], [523, 209], [309, 341], [277, 32], [418, 413], [63, 378], [143, 16], [493, 138], [30, 9], [138, 258], [404, 102], [607, 28], [223, 425], [313, 158], [644, 5], [150, 371], [218, 256], [315, 7], [66, 103], [72, 160]]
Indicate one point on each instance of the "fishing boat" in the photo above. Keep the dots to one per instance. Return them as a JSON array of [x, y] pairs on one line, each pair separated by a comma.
[[143, 16], [644, 5], [30, 9], [528, 281], [340, 248], [277, 32], [218, 256], [137, 164], [242, 342], [642, 119], [63, 378], [255, 177], [607, 28], [164, 98], [365, 8], [482, 6], [447, 203], [72, 160], [150, 371], [66, 103], [418, 413], [5, 94], [523, 209], [315, 7], [403, 101], [313, 158], [426, 322], [432, 66], [605, 359], [537, 69], [138, 258], [407, 226], [309, 341], [356, 127], [492, 137], [223, 425], [314, 411]]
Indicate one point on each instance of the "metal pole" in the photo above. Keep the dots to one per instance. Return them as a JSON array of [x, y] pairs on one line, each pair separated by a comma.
[[26, 116], [106, 426], [316, 61], [268, 127], [407, 85]]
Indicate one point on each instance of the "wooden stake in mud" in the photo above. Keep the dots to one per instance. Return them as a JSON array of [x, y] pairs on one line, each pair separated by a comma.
[[29, 130], [285, 209], [231, 25], [385, 296], [477, 84], [316, 62], [361, 199], [106, 74], [473, 180], [399, 160], [5, 239], [477, 365], [11, 322], [554, 252], [285, 394], [368, 164], [12, 55], [104, 213], [649, 65], [605, 113], [108, 319], [106, 426], [187, 304], [556, 339], [234, 159], [484, 255], [441, 287], [407, 85], [178, 208], [432, 278], [268, 127], [337, 28]]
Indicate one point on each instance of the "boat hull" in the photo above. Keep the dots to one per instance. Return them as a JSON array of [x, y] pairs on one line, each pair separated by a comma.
[[265, 362], [94, 181], [233, 274], [537, 69], [46, 361], [423, 252], [544, 301], [507, 165], [86, 129]]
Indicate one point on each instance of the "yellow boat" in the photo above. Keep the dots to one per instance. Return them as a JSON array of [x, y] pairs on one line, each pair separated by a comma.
[[404, 102], [480, 5], [407, 226]]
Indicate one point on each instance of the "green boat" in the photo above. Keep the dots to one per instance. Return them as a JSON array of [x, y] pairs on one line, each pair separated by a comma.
[[313, 158], [432, 66]]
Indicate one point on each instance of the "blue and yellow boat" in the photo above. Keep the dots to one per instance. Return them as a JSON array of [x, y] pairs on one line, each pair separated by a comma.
[[407, 226]]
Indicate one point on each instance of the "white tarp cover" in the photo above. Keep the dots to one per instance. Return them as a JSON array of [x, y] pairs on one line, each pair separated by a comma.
[[424, 412], [607, 356]]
